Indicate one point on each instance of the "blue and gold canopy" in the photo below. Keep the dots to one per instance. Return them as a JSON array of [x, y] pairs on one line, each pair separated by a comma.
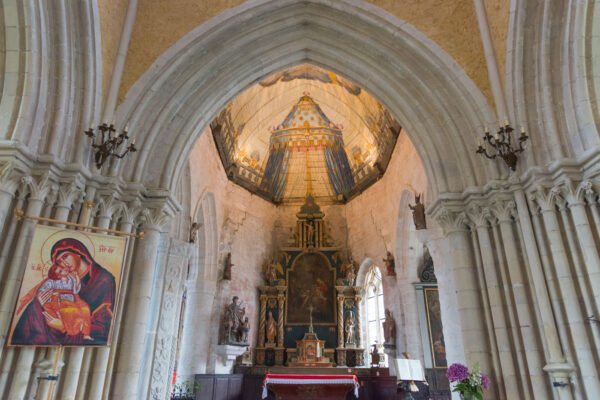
[[305, 131], [307, 141]]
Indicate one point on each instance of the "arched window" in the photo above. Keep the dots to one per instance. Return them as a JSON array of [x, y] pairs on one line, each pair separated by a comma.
[[375, 309]]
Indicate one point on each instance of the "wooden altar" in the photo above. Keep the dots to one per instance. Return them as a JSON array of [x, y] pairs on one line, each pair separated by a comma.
[[310, 274]]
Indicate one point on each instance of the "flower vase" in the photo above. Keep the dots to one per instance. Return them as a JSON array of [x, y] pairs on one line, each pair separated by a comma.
[[467, 396]]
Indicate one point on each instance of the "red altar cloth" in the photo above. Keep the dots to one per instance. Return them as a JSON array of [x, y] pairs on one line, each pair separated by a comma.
[[294, 380]]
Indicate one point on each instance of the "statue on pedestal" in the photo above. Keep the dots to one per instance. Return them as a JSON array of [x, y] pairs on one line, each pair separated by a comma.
[[349, 329], [349, 270], [271, 329], [233, 322], [390, 265], [418, 213], [310, 233], [271, 271], [375, 356], [389, 329]]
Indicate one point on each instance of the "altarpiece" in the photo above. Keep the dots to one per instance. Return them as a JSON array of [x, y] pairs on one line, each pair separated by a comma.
[[310, 307]]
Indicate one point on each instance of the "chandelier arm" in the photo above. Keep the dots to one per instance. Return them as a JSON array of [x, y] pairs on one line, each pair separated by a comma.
[[122, 155]]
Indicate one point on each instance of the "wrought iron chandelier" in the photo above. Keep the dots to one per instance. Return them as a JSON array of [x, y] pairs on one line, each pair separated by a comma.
[[501, 144], [110, 143]]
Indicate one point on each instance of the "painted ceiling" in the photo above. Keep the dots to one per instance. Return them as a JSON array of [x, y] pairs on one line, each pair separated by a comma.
[[305, 130]]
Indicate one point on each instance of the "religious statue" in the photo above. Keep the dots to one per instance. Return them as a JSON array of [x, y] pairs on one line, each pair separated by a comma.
[[418, 211], [375, 356], [349, 329], [310, 233], [271, 329], [350, 271], [227, 268], [233, 321], [194, 232], [390, 265], [271, 272], [245, 330], [389, 329], [350, 274]]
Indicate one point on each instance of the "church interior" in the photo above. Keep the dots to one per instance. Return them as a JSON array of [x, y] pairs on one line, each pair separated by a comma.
[[292, 199]]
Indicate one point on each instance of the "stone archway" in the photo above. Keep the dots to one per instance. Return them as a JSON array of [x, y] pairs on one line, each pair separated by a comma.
[[410, 75]]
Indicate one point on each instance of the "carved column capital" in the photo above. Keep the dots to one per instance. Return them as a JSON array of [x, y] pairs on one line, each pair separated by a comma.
[[589, 192], [154, 218], [479, 215], [38, 187], [9, 177], [69, 193], [504, 210], [544, 198], [452, 221]]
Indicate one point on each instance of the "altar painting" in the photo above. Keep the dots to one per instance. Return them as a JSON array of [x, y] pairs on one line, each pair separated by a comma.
[[434, 321], [69, 289], [311, 281]]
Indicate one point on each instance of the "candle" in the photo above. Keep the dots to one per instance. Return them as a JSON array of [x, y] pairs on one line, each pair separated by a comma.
[[497, 136], [126, 128], [105, 122], [116, 134], [91, 127], [133, 141], [113, 122], [486, 129], [505, 122], [522, 129], [479, 142]]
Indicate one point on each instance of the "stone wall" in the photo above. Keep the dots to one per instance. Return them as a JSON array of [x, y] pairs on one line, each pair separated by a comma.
[[243, 228]]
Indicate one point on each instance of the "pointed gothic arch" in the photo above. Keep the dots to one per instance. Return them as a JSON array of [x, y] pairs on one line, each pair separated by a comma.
[[190, 83]]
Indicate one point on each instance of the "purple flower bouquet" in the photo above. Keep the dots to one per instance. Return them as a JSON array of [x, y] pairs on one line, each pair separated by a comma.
[[468, 384]]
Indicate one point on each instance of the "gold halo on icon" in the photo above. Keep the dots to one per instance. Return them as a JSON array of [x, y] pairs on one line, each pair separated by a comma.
[[83, 237]]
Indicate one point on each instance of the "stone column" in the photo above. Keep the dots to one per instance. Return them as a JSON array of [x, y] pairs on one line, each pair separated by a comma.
[[519, 285], [497, 302], [9, 232], [585, 356], [127, 373], [74, 360], [66, 197], [280, 299], [8, 186], [463, 318], [25, 358], [340, 300], [97, 374], [263, 320], [588, 246], [6, 196], [195, 343], [555, 360]]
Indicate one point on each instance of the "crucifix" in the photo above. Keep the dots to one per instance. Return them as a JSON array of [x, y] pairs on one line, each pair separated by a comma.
[[310, 328]]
